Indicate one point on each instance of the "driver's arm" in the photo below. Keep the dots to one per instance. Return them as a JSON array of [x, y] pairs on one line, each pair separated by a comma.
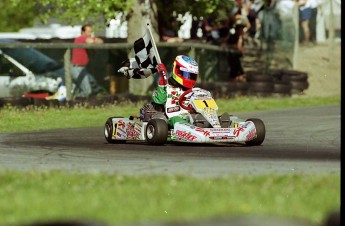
[[131, 70], [159, 96]]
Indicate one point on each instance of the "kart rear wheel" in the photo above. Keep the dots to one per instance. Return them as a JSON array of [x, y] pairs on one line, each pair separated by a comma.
[[260, 131], [156, 132], [108, 132]]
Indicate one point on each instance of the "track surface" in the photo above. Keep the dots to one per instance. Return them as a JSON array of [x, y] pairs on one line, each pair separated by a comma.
[[300, 140]]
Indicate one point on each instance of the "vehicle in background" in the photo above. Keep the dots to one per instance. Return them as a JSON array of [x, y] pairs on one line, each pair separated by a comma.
[[24, 70], [27, 70]]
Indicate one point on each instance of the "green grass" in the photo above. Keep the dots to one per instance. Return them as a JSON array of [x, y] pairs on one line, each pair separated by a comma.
[[114, 199], [15, 119]]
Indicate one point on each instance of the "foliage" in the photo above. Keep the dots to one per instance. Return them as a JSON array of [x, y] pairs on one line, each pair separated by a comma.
[[19, 14], [169, 11], [98, 11], [16, 14], [81, 11]]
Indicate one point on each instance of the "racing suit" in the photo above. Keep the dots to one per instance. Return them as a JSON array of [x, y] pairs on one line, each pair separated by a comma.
[[165, 94]]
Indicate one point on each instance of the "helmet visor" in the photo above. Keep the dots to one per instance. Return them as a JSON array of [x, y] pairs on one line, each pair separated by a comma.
[[184, 73]]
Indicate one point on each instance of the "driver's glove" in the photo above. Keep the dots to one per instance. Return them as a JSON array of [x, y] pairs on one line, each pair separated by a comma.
[[126, 72]]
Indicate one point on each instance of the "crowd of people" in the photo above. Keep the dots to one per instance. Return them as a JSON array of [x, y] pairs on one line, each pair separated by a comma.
[[243, 26], [238, 26]]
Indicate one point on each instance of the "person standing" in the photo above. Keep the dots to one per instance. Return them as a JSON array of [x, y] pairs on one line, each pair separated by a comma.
[[304, 17], [235, 43], [79, 61], [314, 4]]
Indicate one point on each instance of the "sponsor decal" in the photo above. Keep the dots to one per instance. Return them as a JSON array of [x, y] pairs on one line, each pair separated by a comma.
[[121, 124], [251, 135], [220, 130], [119, 129], [174, 97], [205, 132], [133, 131], [237, 131], [186, 136], [137, 128], [120, 134], [222, 137], [173, 109]]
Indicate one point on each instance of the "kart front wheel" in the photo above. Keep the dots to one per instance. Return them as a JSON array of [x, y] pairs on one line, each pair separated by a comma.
[[156, 132], [108, 132], [260, 132]]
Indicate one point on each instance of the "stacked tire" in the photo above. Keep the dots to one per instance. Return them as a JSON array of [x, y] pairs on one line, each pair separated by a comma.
[[259, 84], [220, 89], [297, 79], [282, 87]]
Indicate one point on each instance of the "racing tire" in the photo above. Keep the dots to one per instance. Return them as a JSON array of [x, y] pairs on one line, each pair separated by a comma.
[[108, 131], [156, 132], [260, 131]]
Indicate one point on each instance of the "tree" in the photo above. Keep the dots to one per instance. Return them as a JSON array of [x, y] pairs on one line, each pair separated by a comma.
[[20, 14], [15, 15]]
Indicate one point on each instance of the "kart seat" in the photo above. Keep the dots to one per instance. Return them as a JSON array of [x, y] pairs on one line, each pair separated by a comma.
[[224, 120], [200, 121]]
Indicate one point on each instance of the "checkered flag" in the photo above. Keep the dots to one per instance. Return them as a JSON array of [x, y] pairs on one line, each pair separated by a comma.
[[144, 51]]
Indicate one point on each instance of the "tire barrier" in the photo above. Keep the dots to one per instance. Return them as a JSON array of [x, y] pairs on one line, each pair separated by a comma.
[[259, 84], [279, 83], [220, 89], [241, 88], [297, 79]]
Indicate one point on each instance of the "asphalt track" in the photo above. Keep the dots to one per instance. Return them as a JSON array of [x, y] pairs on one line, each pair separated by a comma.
[[299, 140]]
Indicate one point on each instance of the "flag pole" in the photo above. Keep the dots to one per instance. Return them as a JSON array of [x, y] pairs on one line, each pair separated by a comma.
[[159, 61]]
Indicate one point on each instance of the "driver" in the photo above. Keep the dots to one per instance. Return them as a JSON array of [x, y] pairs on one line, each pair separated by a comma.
[[184, 74]]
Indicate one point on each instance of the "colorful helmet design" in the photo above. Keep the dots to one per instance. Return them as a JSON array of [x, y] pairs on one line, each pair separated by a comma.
[[185, 71]]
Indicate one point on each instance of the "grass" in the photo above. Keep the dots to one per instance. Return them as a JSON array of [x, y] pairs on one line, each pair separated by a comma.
[[30, 118], [115, 199]]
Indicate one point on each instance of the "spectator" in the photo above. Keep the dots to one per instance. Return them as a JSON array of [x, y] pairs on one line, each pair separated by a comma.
[[238, 24], [85, 83], [254, 7], [209, 30], [304, 17], [235, 43], [314, 4], [170, 36], [215, 30]]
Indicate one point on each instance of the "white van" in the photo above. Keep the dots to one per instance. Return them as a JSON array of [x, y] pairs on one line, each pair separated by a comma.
[[25, 70]]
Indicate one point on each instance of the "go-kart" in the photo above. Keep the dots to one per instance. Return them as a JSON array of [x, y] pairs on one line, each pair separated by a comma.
[[205, 125]]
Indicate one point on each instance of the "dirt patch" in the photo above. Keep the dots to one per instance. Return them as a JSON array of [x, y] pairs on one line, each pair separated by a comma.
[[323, 66]]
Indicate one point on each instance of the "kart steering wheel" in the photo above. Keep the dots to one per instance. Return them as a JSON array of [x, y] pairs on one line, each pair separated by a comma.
[[183, 98]]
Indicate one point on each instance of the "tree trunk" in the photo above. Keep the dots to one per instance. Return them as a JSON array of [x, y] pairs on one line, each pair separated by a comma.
[[143, 12]]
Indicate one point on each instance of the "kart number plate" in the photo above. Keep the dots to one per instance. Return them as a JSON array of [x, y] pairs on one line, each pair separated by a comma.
[[202, 104]]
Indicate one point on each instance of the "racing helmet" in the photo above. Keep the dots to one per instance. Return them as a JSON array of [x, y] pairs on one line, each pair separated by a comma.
[[185, 71]]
